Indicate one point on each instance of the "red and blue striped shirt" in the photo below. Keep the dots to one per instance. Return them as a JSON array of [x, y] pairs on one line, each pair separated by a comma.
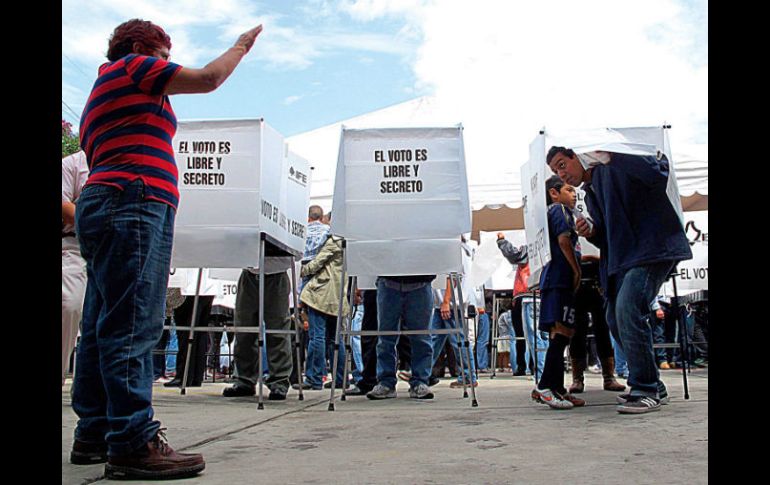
[[127, 127]]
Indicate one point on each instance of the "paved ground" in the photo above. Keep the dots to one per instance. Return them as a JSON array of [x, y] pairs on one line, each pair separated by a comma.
[[507, 439]]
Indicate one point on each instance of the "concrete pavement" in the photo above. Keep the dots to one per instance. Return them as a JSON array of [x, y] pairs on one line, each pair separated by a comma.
[[507, 439]]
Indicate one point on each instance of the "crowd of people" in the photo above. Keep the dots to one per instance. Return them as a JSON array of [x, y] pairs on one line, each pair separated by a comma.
[[119, 198]]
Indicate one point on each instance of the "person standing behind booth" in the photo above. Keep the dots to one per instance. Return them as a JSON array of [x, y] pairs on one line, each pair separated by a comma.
[[407, 298], [276, 314], [641, 234], [321, 295], [125, 225], [74, 172], [559, 281], [589, 300]]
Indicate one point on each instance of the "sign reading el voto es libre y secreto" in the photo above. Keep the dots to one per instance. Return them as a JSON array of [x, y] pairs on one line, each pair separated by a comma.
[[401, 199], [233, 183]]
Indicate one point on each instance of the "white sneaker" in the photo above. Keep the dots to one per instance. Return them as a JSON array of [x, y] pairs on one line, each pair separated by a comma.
[[420, 391], [381, 392], [552, 399]]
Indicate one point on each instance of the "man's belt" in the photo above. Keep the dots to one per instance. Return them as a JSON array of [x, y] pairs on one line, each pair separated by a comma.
[[68, 234]]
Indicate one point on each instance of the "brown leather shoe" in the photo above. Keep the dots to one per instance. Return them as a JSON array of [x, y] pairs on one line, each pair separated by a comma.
[[155, 461], [578, 380], [88, 453], [608, 372]]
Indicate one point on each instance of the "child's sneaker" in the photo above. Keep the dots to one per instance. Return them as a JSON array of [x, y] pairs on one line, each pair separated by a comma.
[[551, 399]]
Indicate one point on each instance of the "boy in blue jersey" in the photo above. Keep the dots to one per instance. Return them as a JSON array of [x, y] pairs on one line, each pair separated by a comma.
[[559, 281]]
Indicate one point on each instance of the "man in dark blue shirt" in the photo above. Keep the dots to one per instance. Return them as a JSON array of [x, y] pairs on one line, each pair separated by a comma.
[[641, 239]]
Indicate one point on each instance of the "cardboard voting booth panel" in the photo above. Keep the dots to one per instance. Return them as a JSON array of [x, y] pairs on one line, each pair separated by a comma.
[[694, 273], [533, 177], [236, 180], [401, 200], [647, 141]]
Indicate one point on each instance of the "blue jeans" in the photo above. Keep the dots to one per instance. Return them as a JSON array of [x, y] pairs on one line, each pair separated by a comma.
[[630, 321], [126, 242], [414, 308], [321, 334], [355, 342], [621, 365], [482, 342], [535, 339], [439, 340]]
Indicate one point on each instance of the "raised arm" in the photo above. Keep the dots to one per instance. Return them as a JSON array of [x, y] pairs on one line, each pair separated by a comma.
[[214, 74]]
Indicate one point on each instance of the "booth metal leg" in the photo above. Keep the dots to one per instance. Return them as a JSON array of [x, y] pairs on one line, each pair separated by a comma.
[[682, 335], [464, 322], [458, 322], [535, 335], [494, 334], [191, 335], [347, 337], [297, 327], [262, 331]]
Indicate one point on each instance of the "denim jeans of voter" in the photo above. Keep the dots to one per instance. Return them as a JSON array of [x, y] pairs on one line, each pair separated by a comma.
[[535, 339], [414, 308], [355, 343], [630, 321], [439, 340], [321, 334], [126, 242], [482, 344]]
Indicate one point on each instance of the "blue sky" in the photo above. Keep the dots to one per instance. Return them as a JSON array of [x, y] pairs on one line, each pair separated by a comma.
[[509, 67]]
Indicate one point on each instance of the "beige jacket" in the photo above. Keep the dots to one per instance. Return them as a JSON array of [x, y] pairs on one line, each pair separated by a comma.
[[322, 291]]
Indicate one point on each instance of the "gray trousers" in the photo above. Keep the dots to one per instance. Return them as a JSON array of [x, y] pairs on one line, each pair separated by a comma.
[[276, 308]]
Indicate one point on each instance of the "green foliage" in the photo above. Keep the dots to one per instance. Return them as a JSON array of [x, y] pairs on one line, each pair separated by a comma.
[[70, 143]]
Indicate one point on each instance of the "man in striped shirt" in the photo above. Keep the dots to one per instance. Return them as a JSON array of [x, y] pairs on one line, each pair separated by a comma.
[[125, 223]]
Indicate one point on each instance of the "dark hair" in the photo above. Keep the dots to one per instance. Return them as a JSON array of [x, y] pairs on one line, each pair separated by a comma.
[[149, 35], [315, 212], [552, 183], [555, 151]]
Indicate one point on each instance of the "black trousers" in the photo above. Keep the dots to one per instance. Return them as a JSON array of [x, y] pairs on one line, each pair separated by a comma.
[[369, 343], [518, 329], [589, 300], [183, 316]]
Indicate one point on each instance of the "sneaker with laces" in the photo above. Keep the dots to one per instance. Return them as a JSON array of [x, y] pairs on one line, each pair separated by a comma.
[[420, 391], [550, 398], [155, 461], [662, 396], [381, 392], [639, 405]]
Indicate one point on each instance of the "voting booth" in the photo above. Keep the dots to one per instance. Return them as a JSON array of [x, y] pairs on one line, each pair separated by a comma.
[[643, 141], [237, 181], [401, 203], [243, 196]]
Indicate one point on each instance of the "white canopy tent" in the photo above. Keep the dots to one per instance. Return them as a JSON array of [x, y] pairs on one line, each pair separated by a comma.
[[491, 184]]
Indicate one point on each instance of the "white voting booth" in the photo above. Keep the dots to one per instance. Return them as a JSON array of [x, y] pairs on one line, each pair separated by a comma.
[[401, 203], [645, 141], [243, 195]]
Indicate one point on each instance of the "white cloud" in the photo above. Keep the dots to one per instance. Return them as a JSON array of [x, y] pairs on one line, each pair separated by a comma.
[[512, 67], [291, 100]]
